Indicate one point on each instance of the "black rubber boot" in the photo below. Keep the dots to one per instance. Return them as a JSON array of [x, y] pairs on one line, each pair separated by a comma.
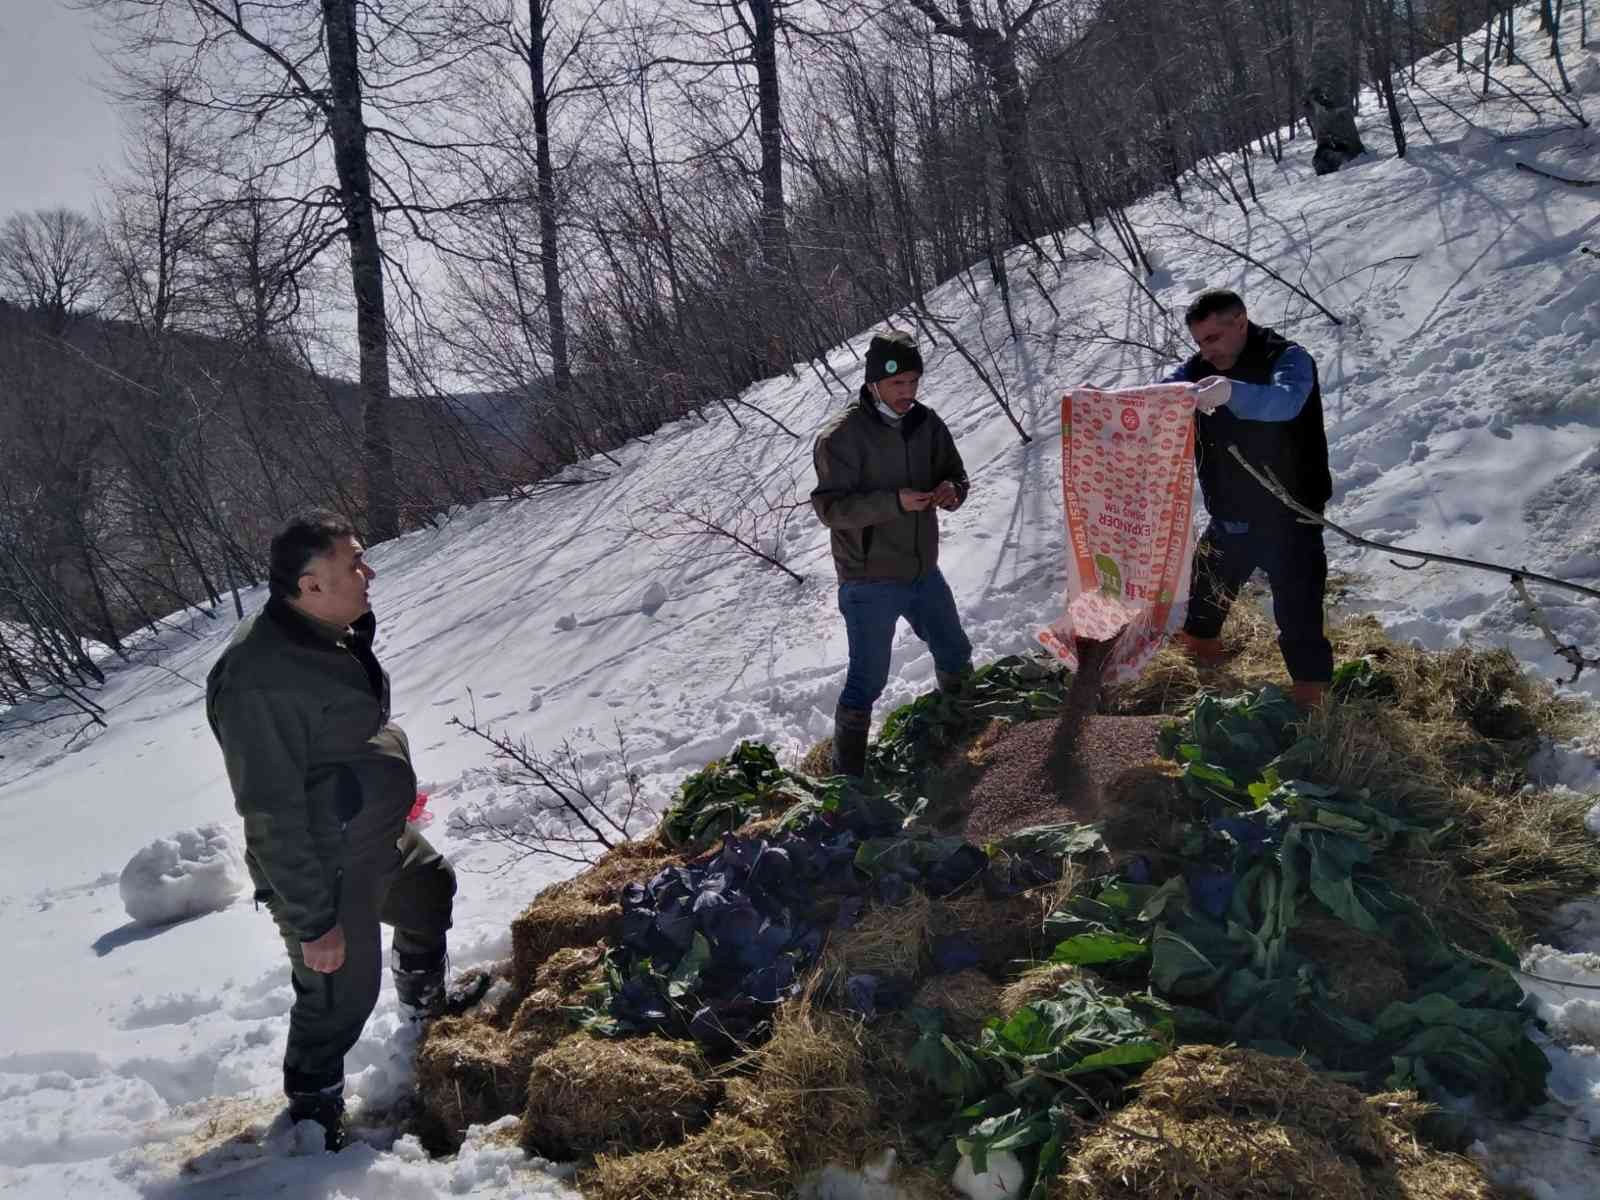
[[952, 683], [326, 1108], [420, 988], [850, 728]]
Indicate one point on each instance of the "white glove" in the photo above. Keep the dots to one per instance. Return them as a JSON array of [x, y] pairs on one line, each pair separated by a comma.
[[1213, 393]]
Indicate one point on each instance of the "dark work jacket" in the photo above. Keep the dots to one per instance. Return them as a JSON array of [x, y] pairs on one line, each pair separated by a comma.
[[321, 776], [862, 462], [1295, 450]]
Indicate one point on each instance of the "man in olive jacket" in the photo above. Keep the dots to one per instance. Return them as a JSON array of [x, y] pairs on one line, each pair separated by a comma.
[[883, 469], [323, 780]]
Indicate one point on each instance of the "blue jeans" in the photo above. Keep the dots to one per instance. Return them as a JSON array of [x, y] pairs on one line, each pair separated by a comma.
[[872, 609]]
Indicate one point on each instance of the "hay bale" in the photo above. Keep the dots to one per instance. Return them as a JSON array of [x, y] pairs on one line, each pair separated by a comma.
[[470, 1073], [1213, 1122], [1008, 930], [556, 921], [808, 1086], [887, 940], [581, 911], [1037, 983], [542, 1012], [1142, 1156], [728, 1160], [1364, 973], [1204, 1081], [568, 969], [968, 999], [818, 761], [587, 1095]]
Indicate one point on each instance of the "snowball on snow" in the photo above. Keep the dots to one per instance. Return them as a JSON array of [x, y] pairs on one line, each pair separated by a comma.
[[654, 597], [183, 875]]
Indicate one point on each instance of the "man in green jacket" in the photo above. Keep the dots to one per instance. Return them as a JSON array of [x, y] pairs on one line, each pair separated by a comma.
[[323, 780], [883, 469]]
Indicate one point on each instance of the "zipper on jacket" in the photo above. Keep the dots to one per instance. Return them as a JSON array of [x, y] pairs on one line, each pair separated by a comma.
[[916, 517]]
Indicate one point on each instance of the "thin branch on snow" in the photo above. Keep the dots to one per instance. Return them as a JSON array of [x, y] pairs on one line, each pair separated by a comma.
[[1542, 174], [1517, 575]]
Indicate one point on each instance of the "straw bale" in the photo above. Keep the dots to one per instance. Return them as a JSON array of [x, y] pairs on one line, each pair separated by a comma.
[[728, 1160], [1141, 1153], [817, 762], [567, 970], [587, 1095], [967, 998], [887, 940], [470, 1073], [1037, 983], [808, 1084], [581, 911], [1008, 930]]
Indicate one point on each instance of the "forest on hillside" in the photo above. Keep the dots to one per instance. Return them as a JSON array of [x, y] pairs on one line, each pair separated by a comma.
[[393, 259]]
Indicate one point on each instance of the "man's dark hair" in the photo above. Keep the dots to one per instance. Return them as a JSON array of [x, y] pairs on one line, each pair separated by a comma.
[[297, 543], [1218, 302]]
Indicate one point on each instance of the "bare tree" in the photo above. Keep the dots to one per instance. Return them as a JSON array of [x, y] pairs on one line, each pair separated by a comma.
[[320, 92], [50, 260]]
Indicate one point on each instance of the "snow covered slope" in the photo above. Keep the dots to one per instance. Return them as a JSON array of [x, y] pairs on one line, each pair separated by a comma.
[[1462, 390]]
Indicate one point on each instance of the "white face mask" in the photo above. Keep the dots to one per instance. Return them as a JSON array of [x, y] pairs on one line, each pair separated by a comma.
[[888, 413]]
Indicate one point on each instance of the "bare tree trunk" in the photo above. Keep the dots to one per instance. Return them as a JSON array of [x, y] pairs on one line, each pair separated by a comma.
[[549, 250], [349, 132], [1382, 34], [764, 47]]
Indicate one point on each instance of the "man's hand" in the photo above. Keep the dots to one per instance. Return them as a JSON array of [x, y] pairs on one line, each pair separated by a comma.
[[1212, 393], [946, 496], [914, 501], [326, 954]]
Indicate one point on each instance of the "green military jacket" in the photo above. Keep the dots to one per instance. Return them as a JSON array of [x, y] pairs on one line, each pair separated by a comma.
[[862, 462], [319, 773]]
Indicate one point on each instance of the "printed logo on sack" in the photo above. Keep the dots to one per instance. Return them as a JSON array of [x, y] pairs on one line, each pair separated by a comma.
[[890, 367], [1130, 419]]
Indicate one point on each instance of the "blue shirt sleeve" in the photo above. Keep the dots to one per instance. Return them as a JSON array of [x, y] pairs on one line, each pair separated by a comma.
[[1283, 398]]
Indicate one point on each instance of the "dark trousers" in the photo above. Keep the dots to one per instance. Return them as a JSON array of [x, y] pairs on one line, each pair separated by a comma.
[[406, 884], [872, 609], [1296, 566]]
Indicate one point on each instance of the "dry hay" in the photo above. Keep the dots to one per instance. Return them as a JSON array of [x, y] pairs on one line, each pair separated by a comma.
[[808, 1085], [1512, 853], [905, 1103], [1144, 807], [817, 763], [1008, 930], [1213, 1123], [1364, 973], [470, 1073], [581, 911], [543, 1012], [587, 1095], [1448, 742], [967, 998], [887, 940], [569, 970], [805, 1094], [761, 827], [1037, 983], [728, 1160]]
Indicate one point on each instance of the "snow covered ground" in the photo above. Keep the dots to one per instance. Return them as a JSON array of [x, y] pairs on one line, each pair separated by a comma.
[[1462, 393]]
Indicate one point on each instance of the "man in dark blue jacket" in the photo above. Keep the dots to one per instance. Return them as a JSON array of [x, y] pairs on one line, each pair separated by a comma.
[[1258, 391]]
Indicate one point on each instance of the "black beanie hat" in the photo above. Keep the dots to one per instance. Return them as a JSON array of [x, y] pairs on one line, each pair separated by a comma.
[[891, 353]]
